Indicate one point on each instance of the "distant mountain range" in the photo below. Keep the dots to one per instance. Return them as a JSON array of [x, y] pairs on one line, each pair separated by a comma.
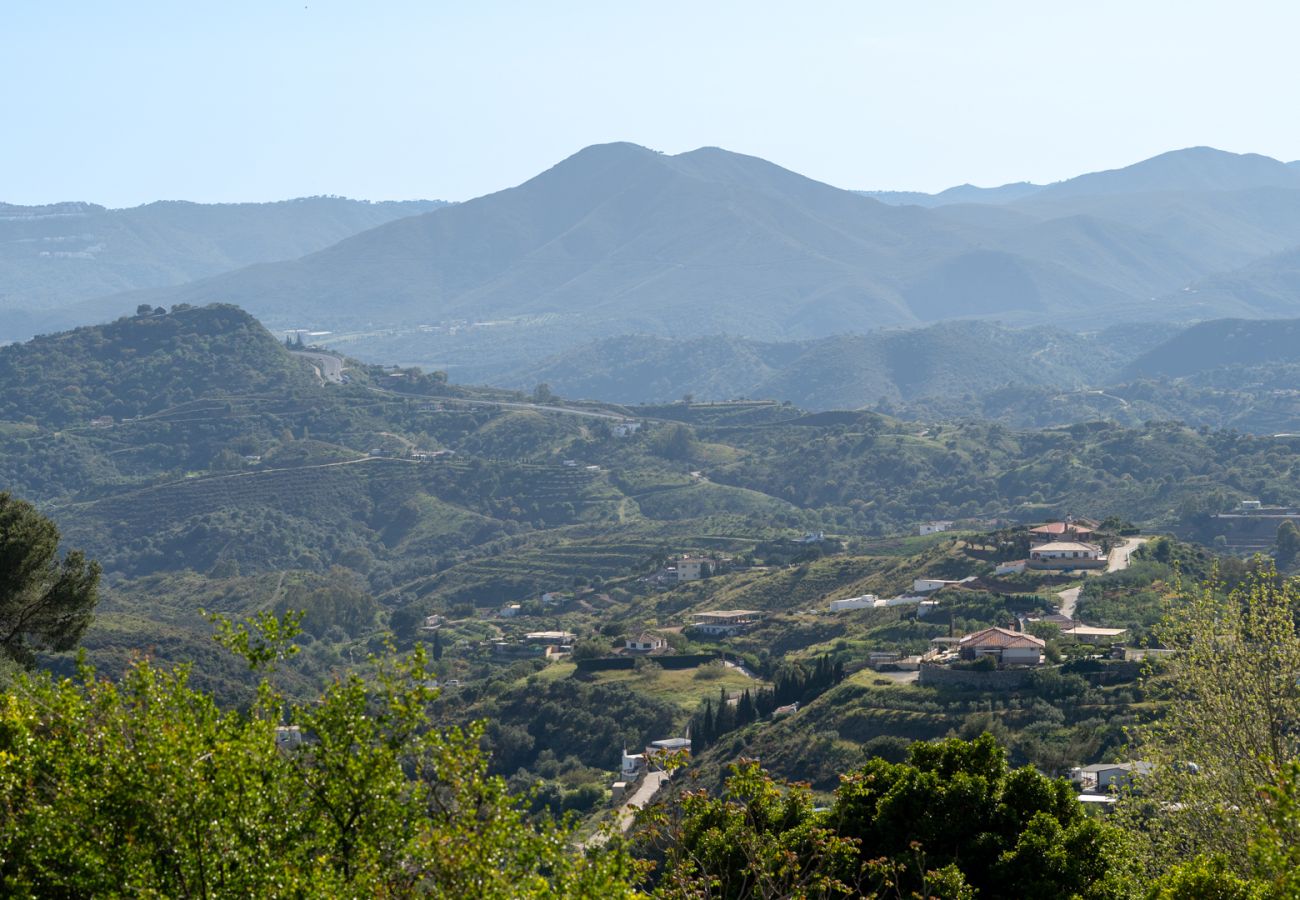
[[1193, 169], [620, 240], [56, 256]]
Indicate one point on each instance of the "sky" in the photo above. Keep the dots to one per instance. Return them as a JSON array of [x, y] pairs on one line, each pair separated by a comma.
[[251, 100]]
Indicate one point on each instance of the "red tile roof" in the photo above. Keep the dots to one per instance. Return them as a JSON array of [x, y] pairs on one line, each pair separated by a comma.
[[1002, 638]]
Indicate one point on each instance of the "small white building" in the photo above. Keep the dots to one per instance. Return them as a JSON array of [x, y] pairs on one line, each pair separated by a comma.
[[1015, 567], [933, 527], [510, 610], [626, 429], [555, 638], [1092, 634], [725, 622], [866, 601], [930, 585], [1105, 777], [645, 642], [691, 568], [633, 763], [1066, 555]]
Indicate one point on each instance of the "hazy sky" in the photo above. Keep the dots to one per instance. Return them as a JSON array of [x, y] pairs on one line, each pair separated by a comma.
[[123, 103]]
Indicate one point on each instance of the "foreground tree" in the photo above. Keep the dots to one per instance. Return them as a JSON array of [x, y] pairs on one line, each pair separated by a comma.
[[952, 822], [146, 787], [45, 602], [1229, 727]]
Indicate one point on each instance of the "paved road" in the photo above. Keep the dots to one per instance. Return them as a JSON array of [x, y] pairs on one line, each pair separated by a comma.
[[1069, 600], [1119, 556], [328, 367], [626, 813], [1119, 559]]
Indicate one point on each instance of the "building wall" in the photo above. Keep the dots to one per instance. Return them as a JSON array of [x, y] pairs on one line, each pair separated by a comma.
[[1014, 656]]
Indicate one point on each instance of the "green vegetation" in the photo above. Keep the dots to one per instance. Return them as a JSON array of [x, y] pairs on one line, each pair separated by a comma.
[[45, 602]]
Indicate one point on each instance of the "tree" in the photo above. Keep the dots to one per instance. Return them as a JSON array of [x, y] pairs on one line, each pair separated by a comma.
[[146, 783], [45, 602], [1288, 544], [1230, 723], [952, 821]]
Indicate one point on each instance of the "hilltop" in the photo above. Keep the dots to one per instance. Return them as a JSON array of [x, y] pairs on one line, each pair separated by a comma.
[[143, 364]]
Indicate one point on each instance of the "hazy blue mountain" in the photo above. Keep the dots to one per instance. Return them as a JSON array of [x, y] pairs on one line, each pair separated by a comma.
[[618, 239], [58, 255], [1192, 169], [962, 193], [1266, 288], [1220, 343]]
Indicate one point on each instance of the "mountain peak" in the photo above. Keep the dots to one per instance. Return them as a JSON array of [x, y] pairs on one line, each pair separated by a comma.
[[1190, 169]]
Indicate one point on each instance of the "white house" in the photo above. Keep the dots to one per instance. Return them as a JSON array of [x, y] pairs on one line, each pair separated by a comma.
[[1091, 634], [1008, 647], [1015, 567], [929, 585], [866, 601], [725, 622], [556, 638], [632, 764], [626, 429], [691, 568], [645, 642], [1066, 555], [932, 527], [1113, 776], [510, 610]]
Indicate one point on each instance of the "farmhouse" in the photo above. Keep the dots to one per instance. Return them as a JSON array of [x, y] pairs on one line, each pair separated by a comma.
[[1061, 555], [1069, 530], [1011, 648], [693, 568], [933, 527], [558, 638], [1111, 776], [866, 601], [929, 585], [1091, 634], [645, 642], [725, 622]]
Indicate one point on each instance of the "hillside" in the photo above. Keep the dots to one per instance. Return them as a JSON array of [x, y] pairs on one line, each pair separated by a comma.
[[844, 372], [142, 365], [56, 256], [1222, 342]]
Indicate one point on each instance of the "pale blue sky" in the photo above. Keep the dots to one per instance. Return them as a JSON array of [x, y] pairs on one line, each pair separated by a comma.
[[126, 102]]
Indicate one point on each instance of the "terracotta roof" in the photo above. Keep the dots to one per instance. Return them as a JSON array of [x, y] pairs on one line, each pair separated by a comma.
[[1002, 638], [1060, 528]]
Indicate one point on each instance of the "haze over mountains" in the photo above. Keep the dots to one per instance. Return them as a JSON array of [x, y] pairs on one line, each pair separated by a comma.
[[55, 256], [619, 240]]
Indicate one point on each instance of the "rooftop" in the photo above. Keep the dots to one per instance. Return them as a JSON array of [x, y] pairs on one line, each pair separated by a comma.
[[1060, 528], [728, 614], [1066, 546], [1002, 638]]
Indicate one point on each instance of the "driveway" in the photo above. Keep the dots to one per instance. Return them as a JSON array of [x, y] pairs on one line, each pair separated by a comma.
[[1119, 556], [1119, 559]]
